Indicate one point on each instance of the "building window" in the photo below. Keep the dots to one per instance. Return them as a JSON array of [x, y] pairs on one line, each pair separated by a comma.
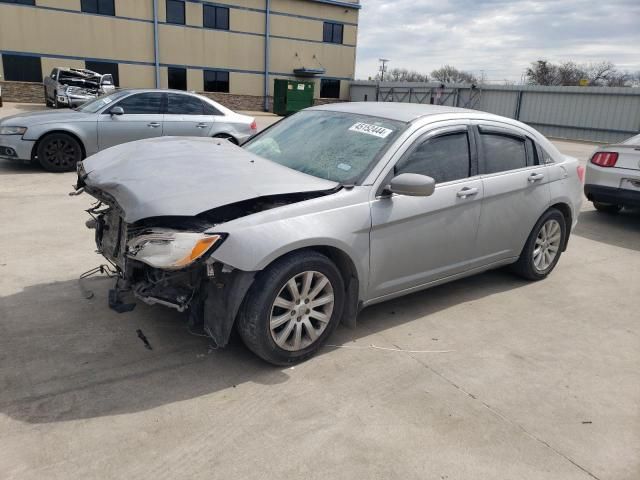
[[177, 78], [329, 88], [215, 17], [103, 7], [175, 12], [332, 32], [20, 2], [21, 68], [215, 81], [105, 68]]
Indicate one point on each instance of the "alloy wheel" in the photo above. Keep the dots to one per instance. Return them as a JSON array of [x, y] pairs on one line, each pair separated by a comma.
[[547, 245], [61, 153], [301, 311]]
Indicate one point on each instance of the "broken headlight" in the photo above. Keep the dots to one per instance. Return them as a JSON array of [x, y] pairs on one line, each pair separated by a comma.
[[170, 249]]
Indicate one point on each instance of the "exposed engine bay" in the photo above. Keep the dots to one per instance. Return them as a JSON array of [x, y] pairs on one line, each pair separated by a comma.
[[74, 86], [84, 81], [209, 291]]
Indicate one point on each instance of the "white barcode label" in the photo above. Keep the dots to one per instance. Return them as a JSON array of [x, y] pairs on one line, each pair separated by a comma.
[[369, 129]]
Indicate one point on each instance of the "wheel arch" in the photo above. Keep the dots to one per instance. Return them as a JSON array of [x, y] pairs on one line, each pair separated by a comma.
[[348, 271], [34, 150], [220, 312], [565, 209], [226, 135]]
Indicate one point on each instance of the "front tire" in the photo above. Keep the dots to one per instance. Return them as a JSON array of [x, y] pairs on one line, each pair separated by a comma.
[[543, 248], [59, 152], [292, 308], [610, 208]]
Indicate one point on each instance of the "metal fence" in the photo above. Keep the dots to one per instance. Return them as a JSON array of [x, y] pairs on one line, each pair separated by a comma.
[[596, 114]]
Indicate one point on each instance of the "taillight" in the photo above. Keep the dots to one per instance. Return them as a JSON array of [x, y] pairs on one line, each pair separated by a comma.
[[605, 159], [253, 125], [580, 170]]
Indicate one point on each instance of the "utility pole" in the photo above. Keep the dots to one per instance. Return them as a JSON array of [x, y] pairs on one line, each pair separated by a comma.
[[383, 67]]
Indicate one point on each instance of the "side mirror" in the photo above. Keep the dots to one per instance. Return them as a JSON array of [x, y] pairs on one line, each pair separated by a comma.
[[412, 184], [116, 111]]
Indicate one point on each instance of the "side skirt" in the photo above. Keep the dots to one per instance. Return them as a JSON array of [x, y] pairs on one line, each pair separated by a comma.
[[440, 281]]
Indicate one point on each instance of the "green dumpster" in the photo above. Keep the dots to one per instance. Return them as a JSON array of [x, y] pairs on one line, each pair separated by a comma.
[[291, 96]]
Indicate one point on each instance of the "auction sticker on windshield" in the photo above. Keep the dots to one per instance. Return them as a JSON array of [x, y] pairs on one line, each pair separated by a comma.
[[369, 129]]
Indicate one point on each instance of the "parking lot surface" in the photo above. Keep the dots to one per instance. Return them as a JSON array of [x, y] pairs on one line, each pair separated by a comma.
[[489, 377]]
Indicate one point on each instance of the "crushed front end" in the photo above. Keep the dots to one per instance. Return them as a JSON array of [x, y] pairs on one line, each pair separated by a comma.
[[163, 209], [75, 96], [167, 261]]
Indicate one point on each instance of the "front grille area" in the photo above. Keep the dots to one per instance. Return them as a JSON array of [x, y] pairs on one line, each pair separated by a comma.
[[113, 238]]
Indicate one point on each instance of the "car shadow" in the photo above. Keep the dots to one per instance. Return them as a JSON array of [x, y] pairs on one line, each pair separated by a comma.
[[64, 357], [619, 230], [10, 167]]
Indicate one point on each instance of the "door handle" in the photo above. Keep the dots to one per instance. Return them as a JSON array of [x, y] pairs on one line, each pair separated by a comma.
[[534, 177], [467, 192], [201, 125], [153, 124]]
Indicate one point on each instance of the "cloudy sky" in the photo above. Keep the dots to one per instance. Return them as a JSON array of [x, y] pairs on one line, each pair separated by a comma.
[[498, 37]]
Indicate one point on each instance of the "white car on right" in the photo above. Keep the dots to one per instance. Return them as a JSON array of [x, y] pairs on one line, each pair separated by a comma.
[[612, 179]]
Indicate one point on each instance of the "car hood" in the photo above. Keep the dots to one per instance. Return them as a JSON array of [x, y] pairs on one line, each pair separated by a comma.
[[181, 176], [46, 116]]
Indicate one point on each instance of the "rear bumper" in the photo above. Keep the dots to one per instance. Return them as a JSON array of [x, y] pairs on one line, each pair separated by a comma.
[[617, 196]]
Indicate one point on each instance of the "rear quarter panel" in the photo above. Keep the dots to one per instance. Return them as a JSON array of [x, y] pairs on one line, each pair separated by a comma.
[[565, 185]]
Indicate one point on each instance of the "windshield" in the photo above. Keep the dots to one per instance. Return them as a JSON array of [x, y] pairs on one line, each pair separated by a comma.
[[336, 146], [92, 106]]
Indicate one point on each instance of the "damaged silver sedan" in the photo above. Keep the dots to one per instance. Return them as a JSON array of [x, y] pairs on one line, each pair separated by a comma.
[[328, 211], [71, 87]]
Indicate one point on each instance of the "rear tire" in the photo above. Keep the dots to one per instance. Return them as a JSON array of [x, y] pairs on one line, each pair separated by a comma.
[[283, 319], [59, 152], [610, 208], [543, 248]]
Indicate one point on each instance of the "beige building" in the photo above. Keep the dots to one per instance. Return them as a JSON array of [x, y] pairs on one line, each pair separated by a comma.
[[233, 49]]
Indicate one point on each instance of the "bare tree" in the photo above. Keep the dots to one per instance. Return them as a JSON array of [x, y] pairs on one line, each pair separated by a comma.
[[602, 74], [450, 74], [569, 73], [404, 75], [542, 72]]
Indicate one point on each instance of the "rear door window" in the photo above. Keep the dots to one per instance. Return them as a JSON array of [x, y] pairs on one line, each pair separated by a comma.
[[184, 105], [532, 153], [502, 153], [444, 158]]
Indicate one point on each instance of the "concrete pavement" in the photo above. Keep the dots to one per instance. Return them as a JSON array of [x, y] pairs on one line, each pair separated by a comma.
[[541, 380]]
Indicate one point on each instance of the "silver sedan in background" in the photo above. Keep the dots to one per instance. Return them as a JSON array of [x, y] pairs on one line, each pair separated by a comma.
[[613, 176], [59, 140]]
